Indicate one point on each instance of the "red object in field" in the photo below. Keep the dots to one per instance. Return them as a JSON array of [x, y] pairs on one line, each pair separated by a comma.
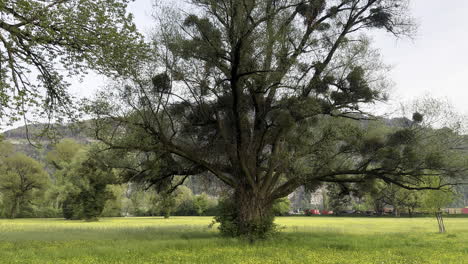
[[326, 212], [314, 212], [464, 210]]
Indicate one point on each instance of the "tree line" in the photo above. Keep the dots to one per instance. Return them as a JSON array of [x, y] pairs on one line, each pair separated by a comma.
[[383, 199], [74, 185]]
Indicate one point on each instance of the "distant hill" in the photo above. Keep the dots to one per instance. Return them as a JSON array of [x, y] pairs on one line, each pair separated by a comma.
[[47, 133], [37, 139], [80, 132]]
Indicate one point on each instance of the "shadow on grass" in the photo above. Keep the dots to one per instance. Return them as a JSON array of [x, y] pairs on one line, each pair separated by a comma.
[[106, 233], [370, 242]]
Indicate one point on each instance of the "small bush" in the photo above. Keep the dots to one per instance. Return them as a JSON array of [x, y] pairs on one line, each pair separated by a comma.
[[232, 226]]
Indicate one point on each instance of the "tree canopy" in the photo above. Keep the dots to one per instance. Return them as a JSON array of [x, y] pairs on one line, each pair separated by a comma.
[[21, 180], [81, 180], [42, 42]]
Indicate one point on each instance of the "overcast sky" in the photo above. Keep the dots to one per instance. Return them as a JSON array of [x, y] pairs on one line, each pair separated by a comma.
[[434, 62]]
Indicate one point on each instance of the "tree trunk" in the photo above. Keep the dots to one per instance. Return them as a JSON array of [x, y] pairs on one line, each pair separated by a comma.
[[440, 221], [13, 211], [247, 214], [14, 207], [410, 212], [254, 215], [396, 211], [167, 214]]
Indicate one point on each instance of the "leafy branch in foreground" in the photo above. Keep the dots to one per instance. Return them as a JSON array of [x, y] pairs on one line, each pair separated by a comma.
[[43, 42]]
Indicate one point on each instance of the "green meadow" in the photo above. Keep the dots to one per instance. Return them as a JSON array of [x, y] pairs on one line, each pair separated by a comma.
[[190, 240]]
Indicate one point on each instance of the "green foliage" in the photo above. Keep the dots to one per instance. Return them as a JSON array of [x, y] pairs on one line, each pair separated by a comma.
[[81, 181], [114, 207], [63, 153], [181, 202], [354, 88], [201, 203], [196, 205], [434, 201], [339, 198], [53, 36], [22, 182], [382, 194], [87, 193], [281, 206], [139, 202], [6, 149], [166, 204], [185, 201]]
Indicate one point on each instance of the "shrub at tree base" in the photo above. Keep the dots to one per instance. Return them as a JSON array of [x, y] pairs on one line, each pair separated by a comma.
[[234, 225]]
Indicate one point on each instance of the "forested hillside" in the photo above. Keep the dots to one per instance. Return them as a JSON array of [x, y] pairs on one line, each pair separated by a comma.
[[36, 140]]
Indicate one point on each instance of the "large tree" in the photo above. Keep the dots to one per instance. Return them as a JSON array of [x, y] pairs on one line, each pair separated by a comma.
[[44, 41], [264, 96], [61, 157], [81, 180], [87, 191]]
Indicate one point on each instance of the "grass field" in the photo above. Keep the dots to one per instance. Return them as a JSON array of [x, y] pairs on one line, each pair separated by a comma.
[[189, 240]]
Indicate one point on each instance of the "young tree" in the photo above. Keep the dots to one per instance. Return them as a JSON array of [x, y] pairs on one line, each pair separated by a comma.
[[88, 192], [81, 180], [63, 153], [61, 157], [168, 203], [38, 39], [114, 207], [200, 203], [282, 206], [6, 149], [263, 96], [21, 180], [434, 201], [397, 197]]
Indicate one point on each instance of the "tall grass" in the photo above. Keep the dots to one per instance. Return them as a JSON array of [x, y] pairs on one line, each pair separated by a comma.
[[189, 240]]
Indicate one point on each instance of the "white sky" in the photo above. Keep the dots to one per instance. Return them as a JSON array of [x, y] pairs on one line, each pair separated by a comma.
[[433, 63]]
